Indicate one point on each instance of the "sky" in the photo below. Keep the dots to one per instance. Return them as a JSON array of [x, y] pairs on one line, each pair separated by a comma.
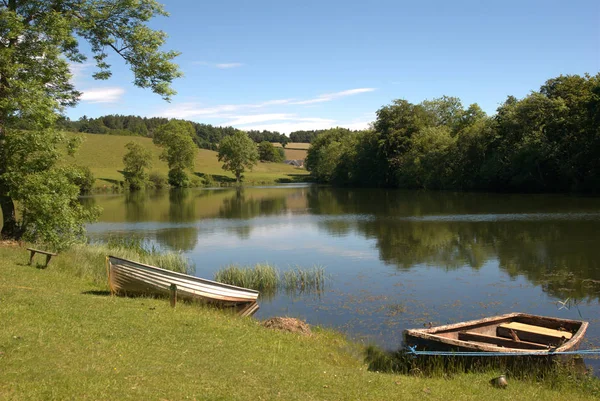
[[295, 65]]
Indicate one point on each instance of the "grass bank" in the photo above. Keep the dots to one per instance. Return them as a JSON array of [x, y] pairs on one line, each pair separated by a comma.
[[64, 337], [103, 154]]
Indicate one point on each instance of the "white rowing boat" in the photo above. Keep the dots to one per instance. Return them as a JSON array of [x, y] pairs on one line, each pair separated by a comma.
[[126, 277]]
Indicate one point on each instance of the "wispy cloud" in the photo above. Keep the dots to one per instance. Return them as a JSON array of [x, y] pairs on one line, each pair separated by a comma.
[[102, 95], [79, 70], [228, 65], [286, 123], [241, 121], [221, 66], [191, 110], [286, 127], [331, 96]]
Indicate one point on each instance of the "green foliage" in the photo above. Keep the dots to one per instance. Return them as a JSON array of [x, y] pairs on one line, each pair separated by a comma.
[[179, 150], [268, 136], [136, 161], [178, 178], [269, 153], [327, 153], [238, 152], [546, 142], [49, 212], [83, 177], [39, 38], [158, 180]]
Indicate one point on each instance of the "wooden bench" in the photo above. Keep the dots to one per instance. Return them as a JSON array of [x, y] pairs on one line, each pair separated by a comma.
[[34, 251]]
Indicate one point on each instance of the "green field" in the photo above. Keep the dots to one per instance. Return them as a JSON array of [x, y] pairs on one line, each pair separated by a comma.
[[294, 150], [65, 338], [103, 154]]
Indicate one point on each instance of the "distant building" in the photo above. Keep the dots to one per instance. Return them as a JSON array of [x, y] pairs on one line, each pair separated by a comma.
[[296, 163]]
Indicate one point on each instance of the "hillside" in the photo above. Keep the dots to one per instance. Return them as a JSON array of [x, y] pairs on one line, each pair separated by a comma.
[[103, 154], [294, 150]]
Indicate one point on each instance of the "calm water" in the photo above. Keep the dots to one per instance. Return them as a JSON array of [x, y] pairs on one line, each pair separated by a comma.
[[395, 259]]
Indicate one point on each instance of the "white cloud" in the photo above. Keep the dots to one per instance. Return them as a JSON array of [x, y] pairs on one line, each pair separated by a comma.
[[79, 70], [228, 65], [191, 110], [218, 65], [102, 95], [330, 96], [257, 118], [292, 124]]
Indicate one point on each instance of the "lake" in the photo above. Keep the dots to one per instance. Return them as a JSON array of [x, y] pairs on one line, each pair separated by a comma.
[[394, 259]]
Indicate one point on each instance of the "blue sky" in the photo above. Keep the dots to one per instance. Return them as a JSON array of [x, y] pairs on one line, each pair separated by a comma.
[[289, 65]]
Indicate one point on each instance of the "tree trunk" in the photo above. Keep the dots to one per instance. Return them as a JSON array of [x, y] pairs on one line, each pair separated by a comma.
[[10, 229]]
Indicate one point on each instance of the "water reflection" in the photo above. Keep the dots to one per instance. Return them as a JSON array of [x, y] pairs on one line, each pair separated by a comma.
[[553, 252], [550, 240]]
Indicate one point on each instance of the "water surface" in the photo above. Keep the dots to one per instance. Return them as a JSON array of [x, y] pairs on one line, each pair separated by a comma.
[[395, 259]]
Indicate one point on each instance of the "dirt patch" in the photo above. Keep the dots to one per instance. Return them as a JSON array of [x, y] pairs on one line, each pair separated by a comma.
[[288, 324], [9, 242]]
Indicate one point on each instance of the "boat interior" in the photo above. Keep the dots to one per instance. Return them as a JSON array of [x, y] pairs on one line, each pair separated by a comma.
[[521, 332]]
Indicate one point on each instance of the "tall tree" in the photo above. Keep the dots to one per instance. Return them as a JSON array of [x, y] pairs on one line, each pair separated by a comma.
[[238, 152], [136, 161], [38, 38], [179, 149]]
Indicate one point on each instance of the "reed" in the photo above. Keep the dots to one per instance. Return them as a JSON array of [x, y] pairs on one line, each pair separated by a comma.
[[89, 260], [268, 279], [261, 277], [300, 280]]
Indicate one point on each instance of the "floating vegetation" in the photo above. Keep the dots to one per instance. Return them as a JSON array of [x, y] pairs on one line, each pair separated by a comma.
[[268, 279]]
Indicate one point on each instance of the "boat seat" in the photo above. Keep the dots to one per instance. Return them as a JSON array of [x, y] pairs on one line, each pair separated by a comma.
[[534, 334], [498, 341]]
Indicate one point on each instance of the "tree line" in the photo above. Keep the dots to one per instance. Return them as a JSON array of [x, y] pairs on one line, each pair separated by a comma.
[[548, 141], [206, 136]]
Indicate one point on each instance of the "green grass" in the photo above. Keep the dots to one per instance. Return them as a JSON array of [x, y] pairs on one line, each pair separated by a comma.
[[88, 261], [103, 154], [260, 277], [301, 280], [267, 279], [63, 338]]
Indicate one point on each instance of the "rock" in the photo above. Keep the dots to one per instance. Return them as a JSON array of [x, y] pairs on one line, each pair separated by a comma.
[[499, 382]]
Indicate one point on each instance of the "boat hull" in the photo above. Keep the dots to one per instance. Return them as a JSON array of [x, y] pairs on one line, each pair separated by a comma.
[[481, 335], [127, 277]]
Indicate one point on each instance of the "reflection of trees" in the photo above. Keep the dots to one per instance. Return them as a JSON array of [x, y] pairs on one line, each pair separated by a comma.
[[182, 207], [179, 238], [241, 207], [558, 255], [136, 206]]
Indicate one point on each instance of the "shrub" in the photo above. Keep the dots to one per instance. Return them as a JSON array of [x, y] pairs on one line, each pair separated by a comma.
[[158, 180], [178, 178], [83, 177]]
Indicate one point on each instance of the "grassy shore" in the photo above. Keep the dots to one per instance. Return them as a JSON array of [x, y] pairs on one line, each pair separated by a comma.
[[64, 337], [103, 154]]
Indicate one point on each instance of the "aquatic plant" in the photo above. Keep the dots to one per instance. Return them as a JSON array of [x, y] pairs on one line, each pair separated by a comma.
[[260, 277], [304, 280], [267, 279]]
